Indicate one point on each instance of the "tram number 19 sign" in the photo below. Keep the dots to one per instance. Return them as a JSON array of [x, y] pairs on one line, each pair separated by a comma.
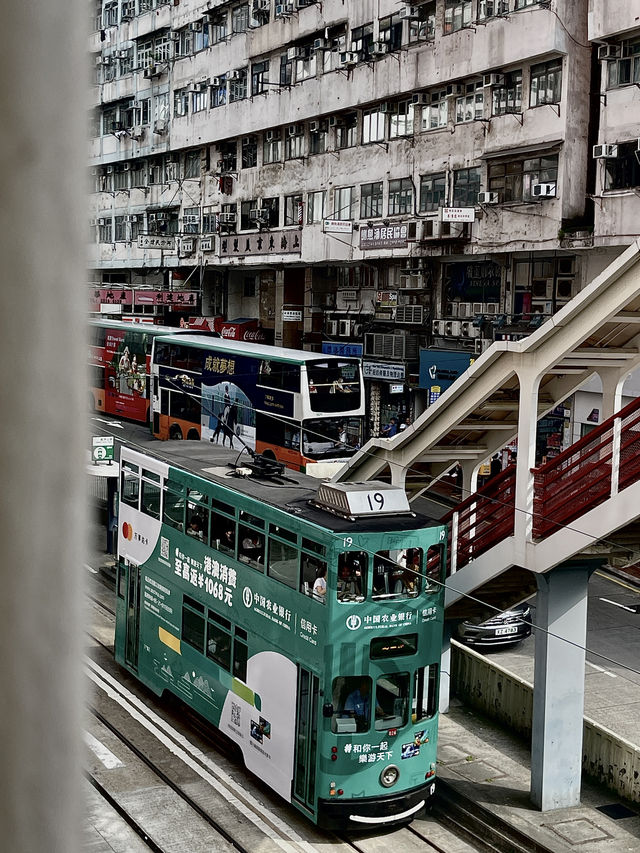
[[103, 447]]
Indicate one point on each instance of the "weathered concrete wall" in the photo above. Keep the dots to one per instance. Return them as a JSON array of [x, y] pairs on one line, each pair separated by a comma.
[[502, 696]]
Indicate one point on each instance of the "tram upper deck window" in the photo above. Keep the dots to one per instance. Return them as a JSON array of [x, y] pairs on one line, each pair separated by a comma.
[[173, 506], [352, 576], [223, 533], [396, 573], [312, 569], [198, 516], [283, 563], [251, 547], [130, 484], [150, 503], [435, 568]]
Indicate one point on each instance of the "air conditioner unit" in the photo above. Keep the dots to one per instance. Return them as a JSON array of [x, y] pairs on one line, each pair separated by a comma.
[[321, 44], [102, 221], [151, 71], [315, 126], [462, 309], [410, 13], [491, 308], [477, 308], [481, 345], [248, 140], [233, 75], [283, 10], [452, 328], [332, 327], [405, 281], [257, 214], [151, 217], [488, 198], [437, 327], [409, 314], [333, 121], [420, 99], [216, 81], [175, 36], [270, 135], [604, 150], [195, 26], [99, 61], [292, 53], [109, 170], [608, 52], [227, 218], [493, 80], [191, 219], [295, 130], [348, 58], [547, 190], [137, 132], [379, 48], [131, 218], [95, 170], [126, 167], [387, 107], [455, 89], [344, 328]]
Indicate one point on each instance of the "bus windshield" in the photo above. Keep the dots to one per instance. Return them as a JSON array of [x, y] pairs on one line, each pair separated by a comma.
[[330, 438], [334, 385]]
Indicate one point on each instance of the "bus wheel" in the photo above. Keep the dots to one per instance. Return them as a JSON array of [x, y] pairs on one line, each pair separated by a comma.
[[193, 435], [175, 433]]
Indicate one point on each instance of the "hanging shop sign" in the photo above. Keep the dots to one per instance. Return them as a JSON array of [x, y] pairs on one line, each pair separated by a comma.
[[334, 348], [384, 236], [177, 298], [155, 241], [440, 368], [289, 316], [337, 226], [458, 214], [386, 298], [240, 330], [377, 370], [264, 243]]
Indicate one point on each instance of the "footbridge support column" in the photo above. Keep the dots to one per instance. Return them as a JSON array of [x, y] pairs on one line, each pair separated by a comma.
[[558, 697]]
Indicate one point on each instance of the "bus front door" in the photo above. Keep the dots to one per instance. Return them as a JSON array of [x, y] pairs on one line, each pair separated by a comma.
[[304, 791], [132, 637]]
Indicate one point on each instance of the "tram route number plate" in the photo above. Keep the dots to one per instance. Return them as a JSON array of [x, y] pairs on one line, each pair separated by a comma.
[[103, 448]]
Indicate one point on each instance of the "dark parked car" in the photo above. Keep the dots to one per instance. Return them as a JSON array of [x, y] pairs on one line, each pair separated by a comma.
[[509, 627]]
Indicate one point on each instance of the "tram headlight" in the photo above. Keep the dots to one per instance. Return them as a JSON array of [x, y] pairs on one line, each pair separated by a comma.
[[389, 776]]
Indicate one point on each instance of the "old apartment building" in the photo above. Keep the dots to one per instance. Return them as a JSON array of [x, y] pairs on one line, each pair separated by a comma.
[[373, 178]]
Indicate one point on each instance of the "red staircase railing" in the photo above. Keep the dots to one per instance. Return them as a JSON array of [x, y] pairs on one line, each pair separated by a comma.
[[483, 519], [584, 475]]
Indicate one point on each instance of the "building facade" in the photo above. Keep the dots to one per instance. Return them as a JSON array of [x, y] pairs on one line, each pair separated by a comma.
[[370, 178]]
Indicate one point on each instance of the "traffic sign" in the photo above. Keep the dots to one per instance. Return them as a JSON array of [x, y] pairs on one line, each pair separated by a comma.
[[103, 448]]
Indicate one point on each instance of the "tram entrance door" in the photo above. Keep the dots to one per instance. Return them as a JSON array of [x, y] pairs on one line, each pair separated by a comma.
[[133, 616], [304, 791]]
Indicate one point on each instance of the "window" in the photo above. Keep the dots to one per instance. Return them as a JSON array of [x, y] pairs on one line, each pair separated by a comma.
[[173, 506], [457, 14], [192, 164], [470, 106], [312, 568], [272, 147], [200, 98], [424, 27], [181, 102], [507, 97], [246, 222], [283, 563], [223, 533], [514, 180], [218, 28], [546, 83], [293, 209], [105, 230], [343, 203], [466, 186], [130, 485], [219, 640], [238, 86], [371, 200], [352, 576], [361, 40], [193, 623], [305, 63], [626, 70], [286, 70], [351, 699], [259, 77], [251, 547], [623, 171], [120, 229], [120, 179], [392, 701], [396, 574], [294, 142], [491, 8], [425, 693], [318, 138], [249, 152], [433, 192], [272, 206], [521, 4], [219, 92], [315, 206], [228, 155], [435, 114], [391, 31], [401, 121], [400, 196], [373, 125], [347, 131], [240, 19]]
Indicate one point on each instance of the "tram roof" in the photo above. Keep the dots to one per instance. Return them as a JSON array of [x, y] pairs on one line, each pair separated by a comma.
[[216, 464], [274, 353]]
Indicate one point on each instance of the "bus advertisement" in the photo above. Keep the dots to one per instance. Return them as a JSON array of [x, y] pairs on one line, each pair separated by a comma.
[[294, 406]]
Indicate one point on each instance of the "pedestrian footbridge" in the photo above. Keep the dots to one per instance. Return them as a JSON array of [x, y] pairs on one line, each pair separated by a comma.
[[539, 529]]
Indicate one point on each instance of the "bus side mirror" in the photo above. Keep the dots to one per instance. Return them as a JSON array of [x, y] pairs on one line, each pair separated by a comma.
[[327, 709]]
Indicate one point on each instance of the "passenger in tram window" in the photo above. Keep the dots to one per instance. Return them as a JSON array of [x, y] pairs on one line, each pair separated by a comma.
[[194, 527], [358, 705], [350, 576], [320, 585]]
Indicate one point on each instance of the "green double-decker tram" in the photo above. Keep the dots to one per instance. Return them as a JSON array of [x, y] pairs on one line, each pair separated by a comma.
[[304, 620]]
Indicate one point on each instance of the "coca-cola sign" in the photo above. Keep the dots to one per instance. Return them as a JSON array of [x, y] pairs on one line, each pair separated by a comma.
[[243, 330]]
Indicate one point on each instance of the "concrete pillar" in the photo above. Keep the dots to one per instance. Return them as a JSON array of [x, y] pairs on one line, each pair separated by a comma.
[[43, 238], [612, 382], [558, 697], [279, 303], [527, 427]]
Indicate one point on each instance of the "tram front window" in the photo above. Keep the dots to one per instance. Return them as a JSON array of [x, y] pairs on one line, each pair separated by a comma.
[[392, 700], [354, 705], [396, 573], [352, 576]]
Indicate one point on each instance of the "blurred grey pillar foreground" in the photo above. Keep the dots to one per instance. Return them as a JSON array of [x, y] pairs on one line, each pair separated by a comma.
[[43, 96]]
